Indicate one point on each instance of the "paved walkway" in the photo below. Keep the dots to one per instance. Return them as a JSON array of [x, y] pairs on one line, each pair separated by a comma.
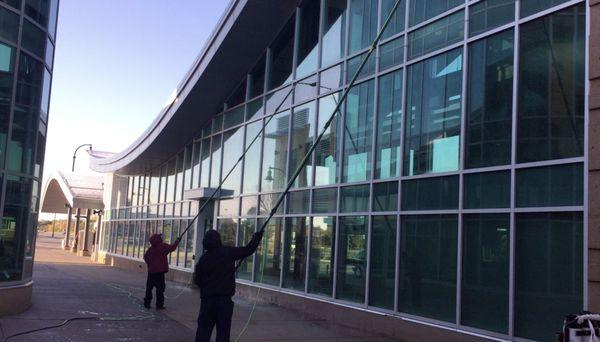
[[69, 286]]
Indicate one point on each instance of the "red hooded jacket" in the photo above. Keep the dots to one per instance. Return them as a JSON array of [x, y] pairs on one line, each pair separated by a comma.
[[156, 256]]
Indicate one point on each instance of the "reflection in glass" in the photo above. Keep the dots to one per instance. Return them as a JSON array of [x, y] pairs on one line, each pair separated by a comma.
[[275, 147], [294, 252], [320, 274], [247, 228], [229, 207], [559, 185], [255, 109], [391, 53], [13, 227], [257, 78], [331, 79], [232, 150], [385, 196], [382, 273], [352, 261], [252, 158], [389, 126], [233, 117], [355, 62], [267, 203], [215, 168], [363, 24], [421, 10], [396, 23], [358, 130], [334, 31], [327, 151], [436, 35], [308, 38], [282, 56], [268, 255], [9, 29], [430, 193], [488, 14], [306, 89], [531, 7], [298, 202], [487, 190], [354, 199], [303, 120], [279, 100], [249, 206], [228, 231], [204, 163], [38, 11], [324, 201]]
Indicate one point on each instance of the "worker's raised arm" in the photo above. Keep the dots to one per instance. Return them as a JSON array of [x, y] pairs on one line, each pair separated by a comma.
[[170, 248], [242, 252]]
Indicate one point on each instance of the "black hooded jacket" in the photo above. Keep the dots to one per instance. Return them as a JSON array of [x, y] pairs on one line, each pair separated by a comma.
[[215, 270]]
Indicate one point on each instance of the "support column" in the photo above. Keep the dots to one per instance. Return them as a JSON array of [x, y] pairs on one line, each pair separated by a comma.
[[84, 250], [68, 232], [75, 231]]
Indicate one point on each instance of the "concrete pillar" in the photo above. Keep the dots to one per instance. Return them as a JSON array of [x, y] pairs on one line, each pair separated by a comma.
[[84, 250], [75, 231], [69, 213]]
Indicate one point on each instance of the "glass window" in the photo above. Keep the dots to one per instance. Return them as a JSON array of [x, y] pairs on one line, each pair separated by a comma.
[[7, 57], [228, 231], [14, 3], [233, 150], [485, 271], [268, 255], [363, 24], [255, 109], [45, 104], [487, 190], [206, 130], [217, 123], [247, 228], [229, 207], [238, 96], [279, 100], [334, 31], [352, 260], [294, 252], [306, 89], [195, 174], [308, 38], [179, 182], [327, 151], [257, 78], [49, 53], [267, 203], [154, 184], [382, 273], [430, 193], [320, 271], [489, 104], [205, 163], [433, 118], [303, 126], [252, 158], [421, 10], [233, 117], [324, 201], [6, 81], [282, 56], [428, 266], [488, 14], [385, 196], [358, 129], [53, 16], [331, 79], [298, 202], [548, 247], [396, 23], [389, 126], [436, 35], [215, 167], [355, 62], [531, 7], [275, 147], [559, 185], [9, 25], [37, 10], [33, 39], [249, 206], [354, 199], [552, 86], [391, 53]]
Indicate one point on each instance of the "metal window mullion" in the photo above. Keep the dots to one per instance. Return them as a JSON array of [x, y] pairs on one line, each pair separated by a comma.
[[368, 258], [283, 248], [586, 162], [308, 251], [295, 48], [335, 251]]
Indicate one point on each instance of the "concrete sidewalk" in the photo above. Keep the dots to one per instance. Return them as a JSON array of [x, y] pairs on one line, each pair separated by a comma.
[[69, 286]]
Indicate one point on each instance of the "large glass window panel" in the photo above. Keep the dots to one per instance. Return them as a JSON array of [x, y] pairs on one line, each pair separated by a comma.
[[45, 104], [217, 123], [37, 10], [391, 53], [252, 158], [267, 202], [215, 166], [268, 256], [488, 14], [306, 89], [245, 232], [279, 100], [396, 23], [228, 231], [328, 149], [233, 117], [195, 173], [552, 86], [428, 266], [170, 188], [433, 114], [298, 202], [303, 126], [52, 18], [255, 109], [16, 4], [559, 185], [324, 201], [33, 39], [389, 126], [421, 10], [334, 31], [6, 81], [233, 150], [363, 24], [485, 271], [322, 246], [352, 260], [354, 199], [487, 190], [430, 193], [548, 272], [331, 79], [249, 206], [382, 274], [282, 56], [275, 147], [294, 252], [385, 196], [489, 102], [9, 25], [358, 132], [257, 78], [308, 38], [229, 207], [531, 7], [436, 35], [49, 53], [238, 96], [355, 62], [179, 183], [205, 163]]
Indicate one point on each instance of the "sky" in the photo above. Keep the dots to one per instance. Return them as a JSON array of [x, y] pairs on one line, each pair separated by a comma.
[[116, 64]]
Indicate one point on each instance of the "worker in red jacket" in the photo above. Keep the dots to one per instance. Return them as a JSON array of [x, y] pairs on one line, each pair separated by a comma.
[[158, 265]]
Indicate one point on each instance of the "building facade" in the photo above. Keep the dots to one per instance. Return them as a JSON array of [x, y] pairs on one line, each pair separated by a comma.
[[27, 40], [450, 190]]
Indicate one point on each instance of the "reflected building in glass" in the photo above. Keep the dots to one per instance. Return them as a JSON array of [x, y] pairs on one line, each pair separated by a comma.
[[450, 188]]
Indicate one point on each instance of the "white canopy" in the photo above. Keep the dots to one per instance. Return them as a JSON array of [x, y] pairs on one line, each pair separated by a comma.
[[77, 191]]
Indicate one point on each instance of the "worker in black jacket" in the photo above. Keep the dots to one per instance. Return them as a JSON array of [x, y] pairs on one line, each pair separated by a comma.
[[215, 276]]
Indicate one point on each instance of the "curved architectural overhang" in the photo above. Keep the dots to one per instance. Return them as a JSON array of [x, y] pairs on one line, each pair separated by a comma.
[[76, 191], [242, 35]]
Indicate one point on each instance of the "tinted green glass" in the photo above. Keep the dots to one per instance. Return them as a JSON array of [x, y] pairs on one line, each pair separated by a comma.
[[217, 123], [324, 201], [255, 109], [352, 260], [489, 106], [298, 202], [9, 25], [233, 117], [433, 120], [363, 24], [247, 227], [385, 196], [548, 272], [233, 140], [268, 255], [322, 246], [6, 81], [531, 7], [428, 266], [396, 23], [560, 185], [430, 193], [275, 147], [389, 126], [552, 86], [485, 271], [252, 158], [358, 130], [294, 252], [308, 38], [436, 35], [37, 10], [334, 31], [354, 64], [382, 273], [488, 14], [303, 126], [487, 190], [327, 151], [391, 53], [421, 10], [354, 199]]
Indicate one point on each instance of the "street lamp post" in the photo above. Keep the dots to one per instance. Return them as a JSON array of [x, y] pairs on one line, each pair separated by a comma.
[[75, 154]]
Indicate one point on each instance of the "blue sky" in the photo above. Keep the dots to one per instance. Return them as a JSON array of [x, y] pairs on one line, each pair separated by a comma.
[[116, 64]]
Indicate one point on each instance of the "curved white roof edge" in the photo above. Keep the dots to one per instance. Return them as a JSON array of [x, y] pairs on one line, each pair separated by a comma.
[[58, 192]]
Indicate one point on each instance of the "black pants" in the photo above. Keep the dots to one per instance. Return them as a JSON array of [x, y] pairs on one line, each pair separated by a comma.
[[214, 311], [155, 280]]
